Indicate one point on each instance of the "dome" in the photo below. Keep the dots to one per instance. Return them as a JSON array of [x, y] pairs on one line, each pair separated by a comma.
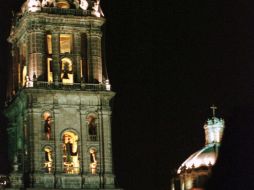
[[207, 156]]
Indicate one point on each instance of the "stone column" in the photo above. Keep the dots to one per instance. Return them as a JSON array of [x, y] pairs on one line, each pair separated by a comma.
[[94, 56], [77, 56], [56, 57], [28, 52]]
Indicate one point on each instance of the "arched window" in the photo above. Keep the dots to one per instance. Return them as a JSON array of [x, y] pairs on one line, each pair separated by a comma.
[[93, 160], [70, 152], [66, 71], [48, 159], [47, 124], [92, 126]]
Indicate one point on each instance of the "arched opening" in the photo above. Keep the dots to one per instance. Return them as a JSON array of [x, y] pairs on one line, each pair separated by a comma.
[[92, 127], [70, 152], [47, 120], [66, 71], [48, 159], [93, 160]]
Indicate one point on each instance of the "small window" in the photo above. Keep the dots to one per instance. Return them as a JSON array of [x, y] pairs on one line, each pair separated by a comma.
[[48, 159], [93, 160], [92, 127], [47, 125]]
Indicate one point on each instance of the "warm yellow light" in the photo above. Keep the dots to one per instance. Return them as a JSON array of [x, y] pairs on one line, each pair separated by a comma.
[[65, 43], [49, 70], [66, 75], [49, 43], [70, 153], [205, 157], [63, 4], [24, 73]]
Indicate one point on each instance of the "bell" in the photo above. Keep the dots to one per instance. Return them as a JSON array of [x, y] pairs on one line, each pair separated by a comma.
[[63, 4], [65, 75]]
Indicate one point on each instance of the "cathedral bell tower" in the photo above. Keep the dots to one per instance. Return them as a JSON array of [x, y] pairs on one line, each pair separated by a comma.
[[59, 97]]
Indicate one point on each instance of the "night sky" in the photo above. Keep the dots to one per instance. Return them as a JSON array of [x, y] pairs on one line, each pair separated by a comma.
[[168, 62]]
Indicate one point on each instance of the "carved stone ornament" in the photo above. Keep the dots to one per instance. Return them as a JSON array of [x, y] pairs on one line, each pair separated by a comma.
[[34, 5], [83, 4]]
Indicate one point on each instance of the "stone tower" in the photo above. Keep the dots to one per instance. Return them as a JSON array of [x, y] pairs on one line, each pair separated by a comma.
[[58, 106]]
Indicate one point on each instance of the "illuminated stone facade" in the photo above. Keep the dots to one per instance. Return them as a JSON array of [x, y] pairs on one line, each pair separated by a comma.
[[194, 172], [59, 98]]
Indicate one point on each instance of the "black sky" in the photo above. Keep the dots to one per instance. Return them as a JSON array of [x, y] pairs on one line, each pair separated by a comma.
[[168, 62]]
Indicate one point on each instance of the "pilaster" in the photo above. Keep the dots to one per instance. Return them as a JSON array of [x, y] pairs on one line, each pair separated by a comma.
[[56, 56], [84, 139], [36, 40], [94, 56], [36, 143], [77, 55], [106, 114], [58, 143]]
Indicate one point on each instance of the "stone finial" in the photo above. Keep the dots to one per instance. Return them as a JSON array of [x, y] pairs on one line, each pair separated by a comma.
[[34, 5], [83, 4], [96, 9], [48, 3]]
